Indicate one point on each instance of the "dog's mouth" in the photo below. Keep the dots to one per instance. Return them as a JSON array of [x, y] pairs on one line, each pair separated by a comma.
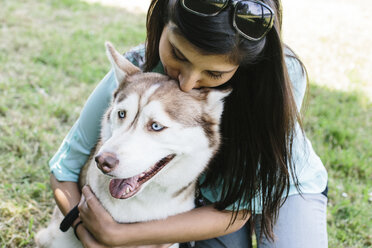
[[128, 187]]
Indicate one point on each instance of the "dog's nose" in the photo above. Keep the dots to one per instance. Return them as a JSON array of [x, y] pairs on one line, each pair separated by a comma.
[[106, 161]]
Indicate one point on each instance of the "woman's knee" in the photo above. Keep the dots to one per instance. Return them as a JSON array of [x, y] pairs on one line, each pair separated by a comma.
[[301, 223]]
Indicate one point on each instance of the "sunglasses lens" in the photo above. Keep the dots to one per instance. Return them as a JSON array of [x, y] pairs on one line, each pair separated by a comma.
[[253, 19], [206, 7]]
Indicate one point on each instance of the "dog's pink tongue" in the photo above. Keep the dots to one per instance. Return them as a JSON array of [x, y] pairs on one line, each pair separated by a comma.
[[123, 188]]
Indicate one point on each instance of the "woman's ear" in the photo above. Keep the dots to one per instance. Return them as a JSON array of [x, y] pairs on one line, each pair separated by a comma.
[[121, 66]]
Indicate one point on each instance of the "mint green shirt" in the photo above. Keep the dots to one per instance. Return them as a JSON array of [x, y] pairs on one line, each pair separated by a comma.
[[76, 146]]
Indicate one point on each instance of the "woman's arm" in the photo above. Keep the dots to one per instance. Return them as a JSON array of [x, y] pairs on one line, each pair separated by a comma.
[[197, 224], [67, 196]]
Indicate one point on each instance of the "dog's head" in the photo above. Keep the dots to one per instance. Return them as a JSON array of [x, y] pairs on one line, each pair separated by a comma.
[[152, 127]]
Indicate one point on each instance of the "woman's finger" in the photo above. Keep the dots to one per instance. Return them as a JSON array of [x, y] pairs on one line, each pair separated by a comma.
[[94, 216], [82, 200], [89, 196], [91, 201], [82, 205]]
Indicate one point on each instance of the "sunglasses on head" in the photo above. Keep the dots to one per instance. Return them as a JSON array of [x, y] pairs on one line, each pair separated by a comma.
[[252, 19]]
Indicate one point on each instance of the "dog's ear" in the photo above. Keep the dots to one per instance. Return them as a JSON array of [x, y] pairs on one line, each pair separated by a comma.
[[122, 67], [215, 99]]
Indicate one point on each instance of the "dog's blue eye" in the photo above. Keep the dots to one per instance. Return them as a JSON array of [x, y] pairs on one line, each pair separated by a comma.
[[156, 126], [121, 114]]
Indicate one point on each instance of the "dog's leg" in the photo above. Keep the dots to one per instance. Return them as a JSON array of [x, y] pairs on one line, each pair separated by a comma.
[[52, 237]]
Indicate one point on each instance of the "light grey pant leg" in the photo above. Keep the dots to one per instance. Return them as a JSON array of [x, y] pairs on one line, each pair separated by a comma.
[[240, 238], [302, 223]]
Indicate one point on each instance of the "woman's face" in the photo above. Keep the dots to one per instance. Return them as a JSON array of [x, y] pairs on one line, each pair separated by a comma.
[[184, 62]]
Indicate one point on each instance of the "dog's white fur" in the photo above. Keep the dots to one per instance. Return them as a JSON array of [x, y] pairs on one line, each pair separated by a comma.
[[191, 132]]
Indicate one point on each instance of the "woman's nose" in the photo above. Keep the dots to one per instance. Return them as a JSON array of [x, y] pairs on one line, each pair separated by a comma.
[[188, 81]]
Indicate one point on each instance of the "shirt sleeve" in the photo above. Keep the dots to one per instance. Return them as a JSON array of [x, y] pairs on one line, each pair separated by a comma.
[[297, 76]]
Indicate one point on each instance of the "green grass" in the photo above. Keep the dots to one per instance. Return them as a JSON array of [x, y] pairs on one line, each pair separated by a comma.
[[339, 125], [52, 56]]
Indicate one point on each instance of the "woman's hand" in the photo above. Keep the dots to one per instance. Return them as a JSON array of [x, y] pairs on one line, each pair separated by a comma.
[[89, 241], [96, 231], [95, 218]]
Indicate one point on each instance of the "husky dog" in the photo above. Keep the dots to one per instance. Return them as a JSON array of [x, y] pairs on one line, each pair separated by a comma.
[[155, 142]]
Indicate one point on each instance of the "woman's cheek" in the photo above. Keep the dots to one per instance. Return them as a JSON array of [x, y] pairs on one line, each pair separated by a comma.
[[173, 73], [171, 67]]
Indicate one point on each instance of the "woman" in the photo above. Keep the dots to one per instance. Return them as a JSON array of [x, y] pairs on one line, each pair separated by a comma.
[[265, 161]]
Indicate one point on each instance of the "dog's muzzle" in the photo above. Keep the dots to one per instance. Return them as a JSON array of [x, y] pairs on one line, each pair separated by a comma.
[[128, 187]]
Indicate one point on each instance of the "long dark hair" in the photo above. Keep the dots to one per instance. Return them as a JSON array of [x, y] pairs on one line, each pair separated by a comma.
[[260, 114]]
